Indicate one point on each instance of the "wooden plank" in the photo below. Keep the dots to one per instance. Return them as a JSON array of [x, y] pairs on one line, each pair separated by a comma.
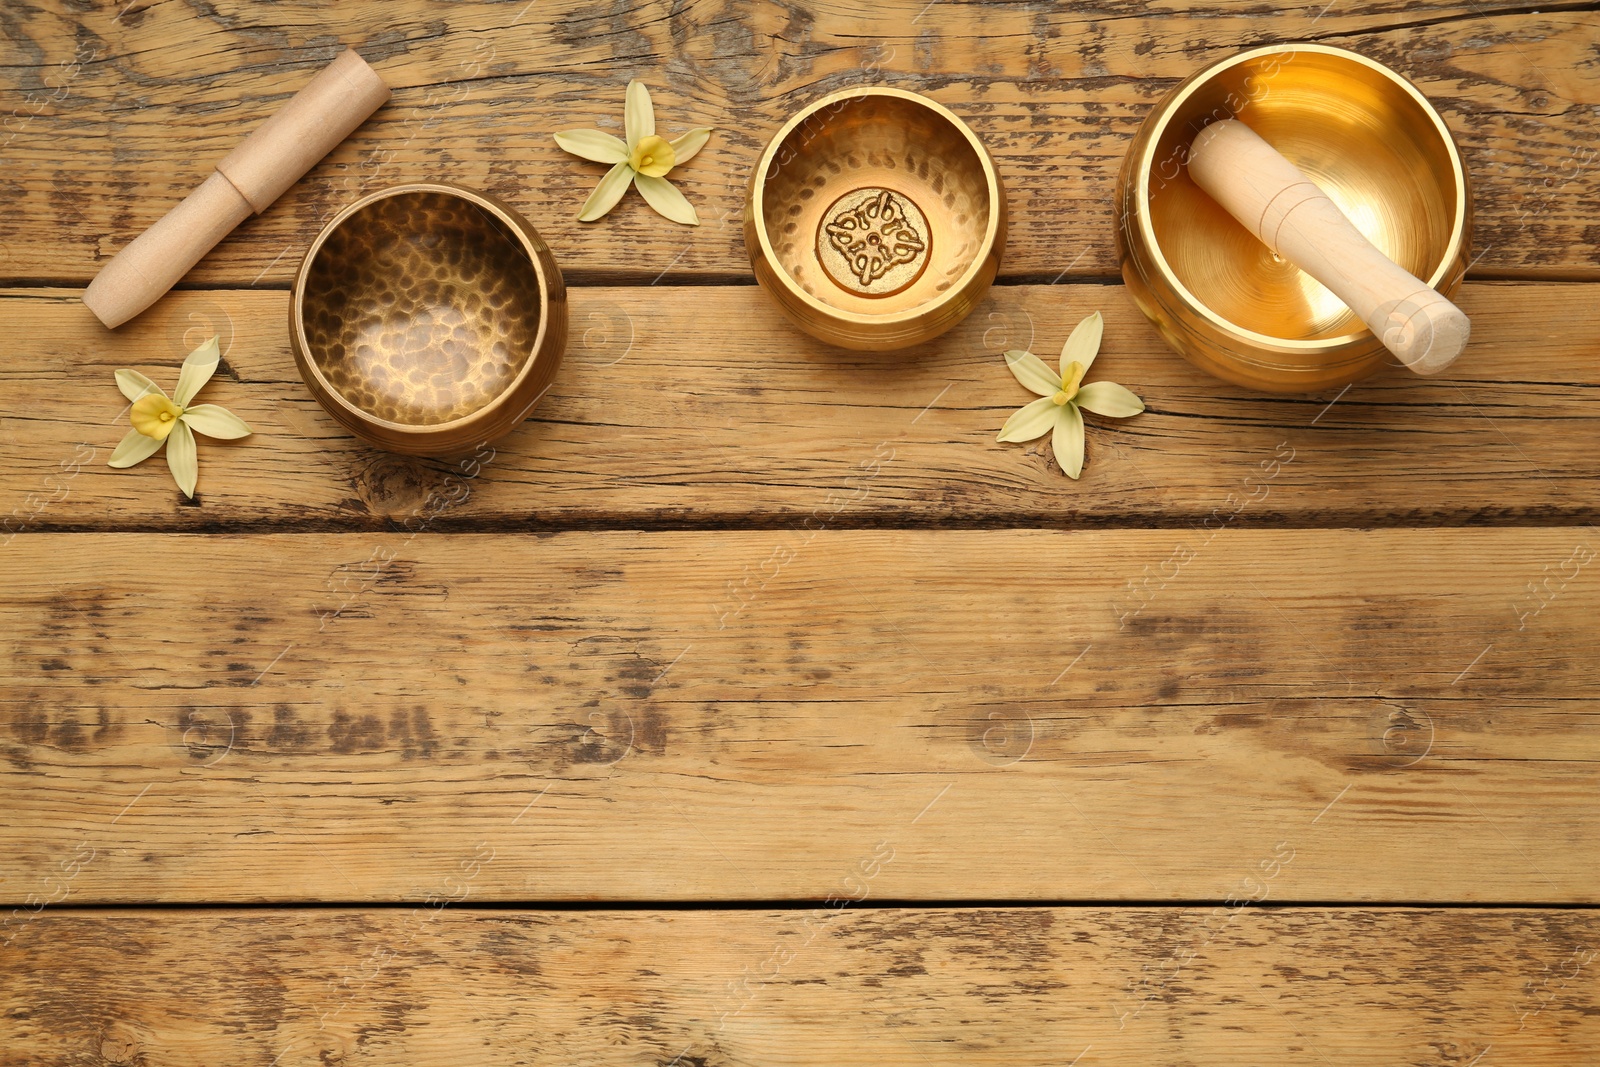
[[116, 112], [701, 406], [1132, 986], [1038, 715]]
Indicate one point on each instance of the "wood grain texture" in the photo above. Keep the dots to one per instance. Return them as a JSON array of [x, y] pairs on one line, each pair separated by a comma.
[[701, 405], [114, 112], [704, 629], [717, 716], [875, 988]]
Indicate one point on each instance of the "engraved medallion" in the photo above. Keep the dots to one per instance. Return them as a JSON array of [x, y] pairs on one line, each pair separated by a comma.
[[873, 242]]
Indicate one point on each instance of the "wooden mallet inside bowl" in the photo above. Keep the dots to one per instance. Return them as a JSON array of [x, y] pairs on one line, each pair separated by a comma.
[[1286, 211]]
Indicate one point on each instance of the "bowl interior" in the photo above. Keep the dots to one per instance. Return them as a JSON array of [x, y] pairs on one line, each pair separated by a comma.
[[875, 204], [421, 308], [1372, 146]]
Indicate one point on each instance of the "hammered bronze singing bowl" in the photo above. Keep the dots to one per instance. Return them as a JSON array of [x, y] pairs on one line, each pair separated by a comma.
[[1220, 297], [876, 219], [428, 319]]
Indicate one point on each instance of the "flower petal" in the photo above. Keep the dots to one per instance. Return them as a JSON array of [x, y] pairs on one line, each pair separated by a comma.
[[197, 370], [638, 116], [134, 447], [685, 146], [653, 156], [1109, 398], [154, 416], [595, 145], [1084, 343], [1031, 371], [134, 385], [1034, 420], [665, 198], [214, 420], [181, 459], [607, 193], [1068, 440]]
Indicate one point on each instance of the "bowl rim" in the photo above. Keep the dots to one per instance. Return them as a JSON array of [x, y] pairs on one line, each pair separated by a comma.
[[501, 211], [1191, 85], [991, 230]]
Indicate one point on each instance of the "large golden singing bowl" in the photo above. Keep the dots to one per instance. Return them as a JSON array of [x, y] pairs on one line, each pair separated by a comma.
[[428, 319], [1222, 298], [875, 218]]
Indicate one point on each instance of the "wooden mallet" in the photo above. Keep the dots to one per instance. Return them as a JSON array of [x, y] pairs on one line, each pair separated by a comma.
[[1284, 209], [247, 180]]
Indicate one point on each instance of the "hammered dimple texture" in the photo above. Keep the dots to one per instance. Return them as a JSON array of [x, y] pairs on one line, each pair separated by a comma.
[[421, 308], [877, 143]]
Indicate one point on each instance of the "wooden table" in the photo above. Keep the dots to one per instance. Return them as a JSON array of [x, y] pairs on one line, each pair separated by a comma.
[[751, 705]]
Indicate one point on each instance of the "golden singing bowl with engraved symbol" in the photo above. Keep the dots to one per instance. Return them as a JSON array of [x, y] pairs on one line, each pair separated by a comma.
[[1220, 297], [428, 319], [875, 218]]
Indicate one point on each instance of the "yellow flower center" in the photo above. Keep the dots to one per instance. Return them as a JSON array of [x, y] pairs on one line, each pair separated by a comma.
[[1069, 385], [154, 415], [652, 156]]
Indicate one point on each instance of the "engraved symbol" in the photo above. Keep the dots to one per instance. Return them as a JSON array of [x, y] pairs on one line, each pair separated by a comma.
[[874, 237], [873, 242]]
